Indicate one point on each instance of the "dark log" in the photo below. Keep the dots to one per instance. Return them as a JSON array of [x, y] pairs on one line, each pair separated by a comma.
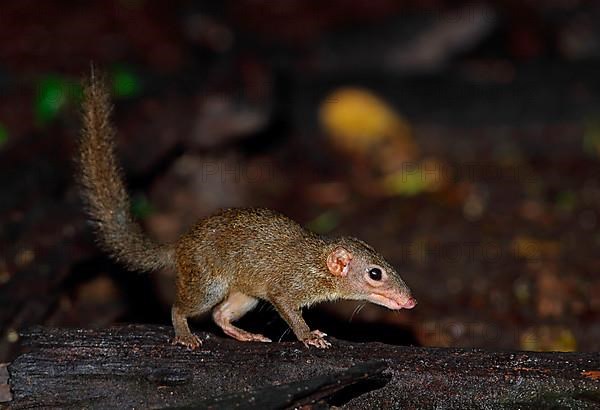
[[136, 366], [5, 394]]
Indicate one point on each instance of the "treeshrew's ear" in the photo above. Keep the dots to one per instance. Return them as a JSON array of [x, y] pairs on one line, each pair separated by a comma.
[[338, 261]]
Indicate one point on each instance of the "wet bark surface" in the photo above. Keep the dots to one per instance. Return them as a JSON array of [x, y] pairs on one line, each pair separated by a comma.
[[136, 366]]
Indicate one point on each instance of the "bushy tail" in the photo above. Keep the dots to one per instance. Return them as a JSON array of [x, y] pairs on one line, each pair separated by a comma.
[[104, 191]]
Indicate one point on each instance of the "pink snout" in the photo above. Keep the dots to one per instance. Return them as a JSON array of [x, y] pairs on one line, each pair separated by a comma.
[[410, 303], [393, 301]]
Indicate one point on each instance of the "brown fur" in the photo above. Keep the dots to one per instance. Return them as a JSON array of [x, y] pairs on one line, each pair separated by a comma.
[[104, 192], [229, 260]]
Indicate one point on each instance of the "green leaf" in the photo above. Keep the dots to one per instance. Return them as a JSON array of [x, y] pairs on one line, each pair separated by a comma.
[[54, 92], [51, 98], [141, 208], [325, 222], [125, 82], [591, 137], [405, 183], [566, 201], [3, 134]]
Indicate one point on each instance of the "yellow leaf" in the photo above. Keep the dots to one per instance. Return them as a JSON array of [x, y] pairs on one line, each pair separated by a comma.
[[357, 120]]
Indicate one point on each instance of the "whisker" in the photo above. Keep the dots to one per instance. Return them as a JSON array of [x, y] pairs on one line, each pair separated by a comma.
[[357, 309], [361, 307], [353, 313], [284, 333]]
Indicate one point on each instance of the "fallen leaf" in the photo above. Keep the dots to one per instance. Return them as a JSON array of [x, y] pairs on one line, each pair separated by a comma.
[[592, 374]]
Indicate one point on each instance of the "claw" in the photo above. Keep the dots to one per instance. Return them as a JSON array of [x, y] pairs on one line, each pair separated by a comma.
[[317, 339], [190, 341]]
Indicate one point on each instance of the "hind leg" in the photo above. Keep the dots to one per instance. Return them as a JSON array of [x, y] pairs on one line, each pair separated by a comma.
[[193, 299], [231, 309], [183, 335]]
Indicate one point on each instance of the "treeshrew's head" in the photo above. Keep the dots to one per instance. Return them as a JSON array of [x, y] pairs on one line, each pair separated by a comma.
[[365, 275]]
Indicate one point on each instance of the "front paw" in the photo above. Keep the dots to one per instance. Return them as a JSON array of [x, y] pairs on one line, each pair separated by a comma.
[[317, 339]]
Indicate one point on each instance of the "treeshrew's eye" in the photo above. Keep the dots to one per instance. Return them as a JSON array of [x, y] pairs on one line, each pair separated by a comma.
[[375, 273]]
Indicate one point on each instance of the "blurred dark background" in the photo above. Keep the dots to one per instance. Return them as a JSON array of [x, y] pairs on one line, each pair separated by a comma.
[[462, 140]]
